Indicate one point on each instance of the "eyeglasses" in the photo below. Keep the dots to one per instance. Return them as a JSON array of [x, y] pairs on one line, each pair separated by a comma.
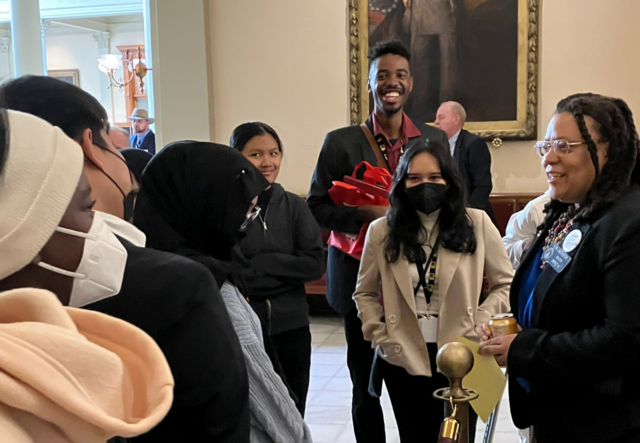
[[250, 217], [560, 147]]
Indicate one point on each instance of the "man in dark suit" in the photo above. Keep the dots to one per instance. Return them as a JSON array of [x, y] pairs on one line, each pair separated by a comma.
[[471, 153], [144, 138], [390, 131]]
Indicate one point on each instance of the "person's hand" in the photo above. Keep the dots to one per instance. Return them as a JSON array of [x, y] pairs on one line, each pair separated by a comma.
[[371, 213], [484, 332], [498, 347], [406, 3]]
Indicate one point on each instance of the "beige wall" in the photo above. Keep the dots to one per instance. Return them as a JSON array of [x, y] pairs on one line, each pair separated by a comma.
[[285, 62], [180, 70]]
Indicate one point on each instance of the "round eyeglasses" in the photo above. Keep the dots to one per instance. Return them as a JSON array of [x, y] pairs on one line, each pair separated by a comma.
[[560, 147]]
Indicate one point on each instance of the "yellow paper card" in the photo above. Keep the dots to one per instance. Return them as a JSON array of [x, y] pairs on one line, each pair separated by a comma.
[[486, 378]]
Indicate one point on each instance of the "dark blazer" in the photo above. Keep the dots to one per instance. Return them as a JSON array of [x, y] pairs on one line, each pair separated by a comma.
[[148, 144], [342, 150], [474, 162], [583, 355], [176, 301]]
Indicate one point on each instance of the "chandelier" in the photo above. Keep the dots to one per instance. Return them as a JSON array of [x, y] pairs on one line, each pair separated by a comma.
[[110, 63]]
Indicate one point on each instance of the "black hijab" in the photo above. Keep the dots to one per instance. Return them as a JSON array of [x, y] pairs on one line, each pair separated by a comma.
[[193, 198]]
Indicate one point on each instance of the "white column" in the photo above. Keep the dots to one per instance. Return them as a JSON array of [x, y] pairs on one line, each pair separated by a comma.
[[180, 70], [5, 59], [106, 91], [148, 55], [44, 24], [26, 36], [10, 52]]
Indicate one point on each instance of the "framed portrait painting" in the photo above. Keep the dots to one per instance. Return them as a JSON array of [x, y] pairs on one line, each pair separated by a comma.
[[71, 76], [480, 53]]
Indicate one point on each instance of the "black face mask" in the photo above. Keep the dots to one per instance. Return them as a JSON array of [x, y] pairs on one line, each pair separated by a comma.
[[427, 197], [129, 203], [128, 200]]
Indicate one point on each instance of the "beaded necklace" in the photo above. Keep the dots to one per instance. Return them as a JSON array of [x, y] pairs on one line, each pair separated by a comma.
[[557, 233]]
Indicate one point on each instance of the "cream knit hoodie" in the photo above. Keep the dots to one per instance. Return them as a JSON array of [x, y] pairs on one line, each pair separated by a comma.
[[75, 376]]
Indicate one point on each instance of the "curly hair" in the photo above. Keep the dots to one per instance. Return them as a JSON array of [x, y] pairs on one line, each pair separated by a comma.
[[614, 124], [391, 47], [406, 232]]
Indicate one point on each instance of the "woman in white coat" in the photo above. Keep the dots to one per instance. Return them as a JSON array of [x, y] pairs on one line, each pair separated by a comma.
[[428, 258]]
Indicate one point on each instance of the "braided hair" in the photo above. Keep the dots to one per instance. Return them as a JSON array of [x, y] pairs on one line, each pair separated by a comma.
[[614, 123]]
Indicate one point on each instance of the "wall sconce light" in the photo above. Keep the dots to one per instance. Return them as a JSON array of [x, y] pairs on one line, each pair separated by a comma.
[[110, 63]]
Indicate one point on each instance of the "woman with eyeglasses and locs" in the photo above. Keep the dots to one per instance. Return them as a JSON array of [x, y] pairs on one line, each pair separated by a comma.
[[576, 295], [420, 282], [281, 251]]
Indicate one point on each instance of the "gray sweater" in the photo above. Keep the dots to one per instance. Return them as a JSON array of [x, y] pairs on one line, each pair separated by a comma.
[[274, 417]]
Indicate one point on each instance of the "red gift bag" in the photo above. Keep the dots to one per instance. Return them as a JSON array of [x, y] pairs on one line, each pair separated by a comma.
[[372, 190]]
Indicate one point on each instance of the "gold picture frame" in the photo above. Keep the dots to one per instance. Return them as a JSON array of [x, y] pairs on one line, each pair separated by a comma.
[[71, 76], [523, 127]]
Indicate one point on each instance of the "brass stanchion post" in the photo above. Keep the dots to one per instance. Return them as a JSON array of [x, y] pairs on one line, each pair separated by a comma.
[[455, 361]]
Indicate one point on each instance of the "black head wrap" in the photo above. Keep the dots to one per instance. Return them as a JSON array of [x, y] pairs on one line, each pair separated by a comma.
[[193, 198]]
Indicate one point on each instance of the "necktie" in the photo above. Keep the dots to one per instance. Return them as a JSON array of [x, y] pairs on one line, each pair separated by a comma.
[[138, 142]]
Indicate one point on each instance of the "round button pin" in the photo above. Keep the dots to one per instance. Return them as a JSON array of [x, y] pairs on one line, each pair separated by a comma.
[[572, 240]]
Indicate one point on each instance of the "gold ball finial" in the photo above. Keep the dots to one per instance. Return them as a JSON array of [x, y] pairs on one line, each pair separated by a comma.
[[455, 360]]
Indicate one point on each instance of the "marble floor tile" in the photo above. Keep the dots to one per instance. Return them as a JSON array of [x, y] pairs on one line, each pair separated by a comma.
[[329, 398], [324, 433], [317, 383], [331, 348], [331, 415], [343, 372], [339, 384], [325, 370], [328, 359], [318, 339]]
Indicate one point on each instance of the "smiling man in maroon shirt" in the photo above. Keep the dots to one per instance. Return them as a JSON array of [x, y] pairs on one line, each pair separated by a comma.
[[391, 131]]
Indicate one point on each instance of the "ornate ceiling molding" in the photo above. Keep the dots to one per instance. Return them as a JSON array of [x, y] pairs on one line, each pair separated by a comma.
[[55, 9]]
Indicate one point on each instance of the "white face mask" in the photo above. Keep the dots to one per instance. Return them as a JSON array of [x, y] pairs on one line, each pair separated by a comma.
[[124, 229], [101, 269]]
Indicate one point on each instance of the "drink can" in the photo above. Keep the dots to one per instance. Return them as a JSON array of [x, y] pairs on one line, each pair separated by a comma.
[[503, 324]]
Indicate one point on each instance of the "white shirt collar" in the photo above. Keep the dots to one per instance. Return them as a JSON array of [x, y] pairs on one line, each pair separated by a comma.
[[453, 140]]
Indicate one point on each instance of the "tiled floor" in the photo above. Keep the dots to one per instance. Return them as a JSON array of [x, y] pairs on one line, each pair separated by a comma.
[[328, 411]]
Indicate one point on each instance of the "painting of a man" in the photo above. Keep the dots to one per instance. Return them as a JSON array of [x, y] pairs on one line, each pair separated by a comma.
[[432, 27], [462, 50]]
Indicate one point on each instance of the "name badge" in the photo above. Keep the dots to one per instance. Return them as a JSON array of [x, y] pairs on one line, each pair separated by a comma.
[[556, 258], [429, 328], [572, 241]]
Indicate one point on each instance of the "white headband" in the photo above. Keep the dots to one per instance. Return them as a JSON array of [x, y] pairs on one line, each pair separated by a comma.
[[41, 172]]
